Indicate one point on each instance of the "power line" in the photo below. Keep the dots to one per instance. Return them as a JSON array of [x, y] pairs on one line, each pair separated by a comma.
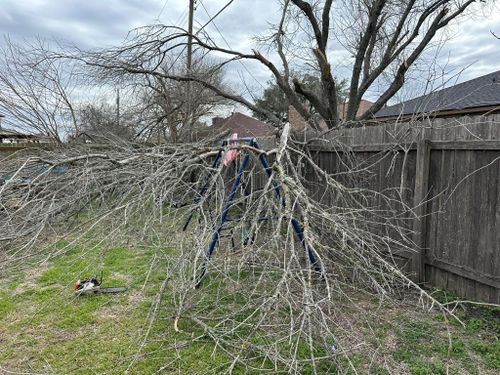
[[224, 39], [215, 16], [211, 20], [180, 21], [182, 18], [162, 9], [200, 29]]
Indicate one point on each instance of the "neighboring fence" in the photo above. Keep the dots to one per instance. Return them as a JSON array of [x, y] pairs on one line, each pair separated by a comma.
[[7, 149], [448, 169]]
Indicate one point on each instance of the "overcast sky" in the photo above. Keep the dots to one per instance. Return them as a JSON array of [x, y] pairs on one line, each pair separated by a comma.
[[100, 23]]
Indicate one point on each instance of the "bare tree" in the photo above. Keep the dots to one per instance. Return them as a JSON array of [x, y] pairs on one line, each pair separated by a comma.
[[99, 123], [385, 38], [36, 91], [173, 109], [274, 100], [388, 37]]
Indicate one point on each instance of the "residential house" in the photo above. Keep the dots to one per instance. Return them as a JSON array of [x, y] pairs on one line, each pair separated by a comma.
[[477, 96], [239, 123], [8, 136]]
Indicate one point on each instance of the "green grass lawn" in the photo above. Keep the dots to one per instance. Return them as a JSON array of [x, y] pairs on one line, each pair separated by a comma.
[[45, 329]]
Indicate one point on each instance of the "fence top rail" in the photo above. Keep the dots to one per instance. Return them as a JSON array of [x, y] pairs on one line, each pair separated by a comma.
[[434, 145]]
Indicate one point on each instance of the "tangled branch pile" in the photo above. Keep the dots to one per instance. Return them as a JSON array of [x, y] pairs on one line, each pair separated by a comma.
[[262, 302]]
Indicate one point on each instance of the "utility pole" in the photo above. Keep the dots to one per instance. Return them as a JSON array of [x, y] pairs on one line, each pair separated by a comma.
[[190, 36], [189, 61], [118, 107]]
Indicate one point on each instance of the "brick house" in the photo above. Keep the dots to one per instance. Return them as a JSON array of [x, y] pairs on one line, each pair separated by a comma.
[[243, 125]]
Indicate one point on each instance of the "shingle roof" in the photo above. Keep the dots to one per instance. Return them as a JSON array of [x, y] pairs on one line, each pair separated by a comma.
[[243, 125], [12, 133], [478, 92], [9, 133]]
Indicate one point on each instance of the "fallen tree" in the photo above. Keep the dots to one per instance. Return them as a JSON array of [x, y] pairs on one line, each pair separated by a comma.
[[289, 312]]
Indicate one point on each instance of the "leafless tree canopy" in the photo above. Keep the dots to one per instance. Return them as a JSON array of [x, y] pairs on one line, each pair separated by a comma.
[[36, 92], [385, 38], [100, 122], [173, 109]]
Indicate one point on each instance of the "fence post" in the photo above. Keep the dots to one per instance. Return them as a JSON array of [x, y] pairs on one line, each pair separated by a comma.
[[420, 203]]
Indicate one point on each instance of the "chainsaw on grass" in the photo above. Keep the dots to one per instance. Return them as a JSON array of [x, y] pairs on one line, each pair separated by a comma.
[[93, 286]]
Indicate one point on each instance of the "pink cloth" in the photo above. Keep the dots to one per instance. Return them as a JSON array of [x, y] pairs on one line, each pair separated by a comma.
[[231, 154]]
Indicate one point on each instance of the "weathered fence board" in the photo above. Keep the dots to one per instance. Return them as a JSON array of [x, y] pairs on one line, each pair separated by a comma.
[[448, 170]]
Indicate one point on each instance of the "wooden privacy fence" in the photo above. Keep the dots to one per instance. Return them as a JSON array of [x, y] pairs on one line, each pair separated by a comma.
[[448, 170], [7, 149]]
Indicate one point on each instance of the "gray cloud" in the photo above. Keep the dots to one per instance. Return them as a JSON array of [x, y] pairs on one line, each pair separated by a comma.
[[89, 23], [100, 23]]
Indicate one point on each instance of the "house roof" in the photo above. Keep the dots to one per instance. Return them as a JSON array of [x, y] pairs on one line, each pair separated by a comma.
[[478, 92], [243, 125], [8, 133], [4, 133]]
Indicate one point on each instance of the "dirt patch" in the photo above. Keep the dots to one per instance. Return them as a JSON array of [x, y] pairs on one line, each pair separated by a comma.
[[66, 334], [109, 313], [391, 342], [400, 368], [30, 276], [135, 298], [120, 276], [35, 272]]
